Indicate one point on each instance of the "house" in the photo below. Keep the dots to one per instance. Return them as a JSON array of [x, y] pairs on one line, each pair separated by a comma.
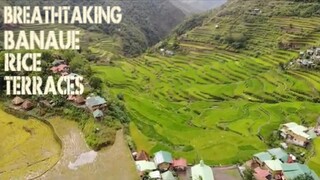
[[76, 99], [180, 164], [317, 52], [296, 134], [163, 160], [201, 172], [169, 53], [167, 176], [261, 174], [58, 62], [310, 52], [145, 166], [17, 101], [293, 170], [155, 175], [279, 153], [97, 114], [142, 155], [274, 167], [96, 102], [27, 105], [261, 157], [62, 68]]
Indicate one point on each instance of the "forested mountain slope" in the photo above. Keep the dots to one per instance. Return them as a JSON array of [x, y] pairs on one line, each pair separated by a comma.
[[145, 22]]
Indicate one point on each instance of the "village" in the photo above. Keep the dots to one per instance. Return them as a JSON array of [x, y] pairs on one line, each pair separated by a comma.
[[309, 59], [273, 164], [93, 104]]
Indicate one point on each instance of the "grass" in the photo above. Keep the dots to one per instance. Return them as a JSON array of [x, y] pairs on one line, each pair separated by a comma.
[[314, 161]]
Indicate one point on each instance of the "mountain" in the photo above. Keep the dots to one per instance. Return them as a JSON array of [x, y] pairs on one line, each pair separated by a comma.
[[145, 22], [197, 6], [224, 93]]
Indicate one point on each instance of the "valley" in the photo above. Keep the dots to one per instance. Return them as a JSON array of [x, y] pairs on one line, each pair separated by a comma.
[[214, 89], [213, 102]]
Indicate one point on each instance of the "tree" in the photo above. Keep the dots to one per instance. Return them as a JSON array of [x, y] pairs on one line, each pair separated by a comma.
[[95, 82], [303, 177], [248, 174]]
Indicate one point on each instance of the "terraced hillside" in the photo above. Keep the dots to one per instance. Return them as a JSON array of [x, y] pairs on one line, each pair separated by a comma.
[[212, 101]]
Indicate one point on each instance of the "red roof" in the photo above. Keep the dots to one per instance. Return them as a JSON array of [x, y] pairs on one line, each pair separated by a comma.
[[180, 163], [261, 174], [59, 68], [142, 155]]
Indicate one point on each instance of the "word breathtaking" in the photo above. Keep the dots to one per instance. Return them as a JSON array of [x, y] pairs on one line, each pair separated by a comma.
[[62, 15]]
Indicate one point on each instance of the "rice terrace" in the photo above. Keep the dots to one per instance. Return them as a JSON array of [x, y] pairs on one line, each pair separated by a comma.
[[216, 104], [218, 88]]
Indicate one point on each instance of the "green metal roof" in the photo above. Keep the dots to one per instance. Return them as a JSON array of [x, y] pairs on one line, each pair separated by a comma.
[[294, 170], [97, 113], [162, 156], [263, 156], [279, 154], [94, 101]]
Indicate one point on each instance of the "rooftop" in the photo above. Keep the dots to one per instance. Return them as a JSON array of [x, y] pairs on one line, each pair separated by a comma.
[[291, 171], [94, 101], [274, 165], [201, 170], [279, 154], [162, 157], [263, 156]]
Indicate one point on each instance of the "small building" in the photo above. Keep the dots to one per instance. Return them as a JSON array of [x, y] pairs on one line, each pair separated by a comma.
[[27, 105], [293, 170], [79, 100], [167, 176], [180, 164], [169, 53], [163, 160], [97, 114], [295, 134], [96, 102], [155, 175], [17, 101], [143, 166], [60, 68], [317, 52], [201, 171], [261, 157], [280, 154], [274, 167], [142, 155]]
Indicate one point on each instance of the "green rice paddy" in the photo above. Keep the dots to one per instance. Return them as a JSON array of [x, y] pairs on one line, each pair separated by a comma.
[[211, 103]]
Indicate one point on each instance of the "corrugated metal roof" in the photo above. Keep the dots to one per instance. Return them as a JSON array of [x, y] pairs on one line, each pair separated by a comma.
[[162, 157]]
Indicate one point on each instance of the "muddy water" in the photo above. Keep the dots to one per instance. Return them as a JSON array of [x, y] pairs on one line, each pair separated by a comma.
[[79, 162], [28, 148]]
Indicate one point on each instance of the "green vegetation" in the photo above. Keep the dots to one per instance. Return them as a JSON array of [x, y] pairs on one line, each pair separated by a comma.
[[313, 163], [144, 24], [215, 97], [27, 147]]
